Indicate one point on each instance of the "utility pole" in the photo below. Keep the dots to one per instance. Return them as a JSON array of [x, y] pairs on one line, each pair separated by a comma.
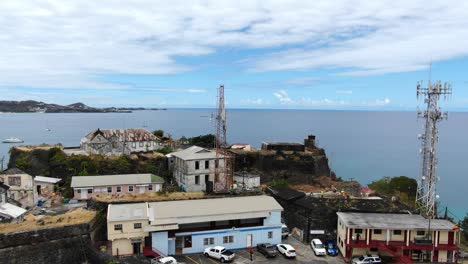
[[426, 194]]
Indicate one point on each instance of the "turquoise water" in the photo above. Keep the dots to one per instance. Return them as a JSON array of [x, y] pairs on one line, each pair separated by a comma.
[[361, 145]]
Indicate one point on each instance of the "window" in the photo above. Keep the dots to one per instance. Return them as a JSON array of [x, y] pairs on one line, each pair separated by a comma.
[[90, 190], [207, 178], [270, 234], [141, 144], [118, 227], [197, 165], [109, 189], [358, 231], [197, 179], [208, 241], [137, 226], [133, 145], [420, 233], [377, 231], [130, 188], [207, 164], [14, 181], [216, 163], [396, 232], [119, 188], [228, 239], [150, 187], [187, 241], [78, 191]]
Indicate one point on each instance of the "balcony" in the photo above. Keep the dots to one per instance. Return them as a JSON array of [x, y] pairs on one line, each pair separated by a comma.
[[417, 244]]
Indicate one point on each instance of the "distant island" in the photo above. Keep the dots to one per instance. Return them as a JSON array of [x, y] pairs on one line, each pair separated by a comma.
[[31, 106]]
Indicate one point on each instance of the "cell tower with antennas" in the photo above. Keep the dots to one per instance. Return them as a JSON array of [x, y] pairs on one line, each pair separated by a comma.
[[224, 161], [426, 194]]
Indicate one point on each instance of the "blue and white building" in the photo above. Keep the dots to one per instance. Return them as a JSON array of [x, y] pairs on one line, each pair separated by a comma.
[[190, 226]]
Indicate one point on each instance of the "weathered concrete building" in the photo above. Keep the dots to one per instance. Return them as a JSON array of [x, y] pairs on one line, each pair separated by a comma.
[[404, 237], [194, 167], [119, 141], [8, 211], [21, 186], [85, 187], [283, 146]]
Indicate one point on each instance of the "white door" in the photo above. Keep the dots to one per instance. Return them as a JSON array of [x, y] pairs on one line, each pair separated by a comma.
[[84, 194], [249, 240], [142, 189]]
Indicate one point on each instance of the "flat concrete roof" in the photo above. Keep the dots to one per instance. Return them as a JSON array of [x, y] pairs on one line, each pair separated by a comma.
[[217, 209], [107, 180], [126, 212], [392, 221]]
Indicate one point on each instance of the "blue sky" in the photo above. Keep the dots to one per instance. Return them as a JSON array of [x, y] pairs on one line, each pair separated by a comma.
[[268, 54]]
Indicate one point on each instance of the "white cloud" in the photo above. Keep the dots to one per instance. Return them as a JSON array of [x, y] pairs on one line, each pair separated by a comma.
[[254, 102], [283, 97], [72, 44], [344, 91]]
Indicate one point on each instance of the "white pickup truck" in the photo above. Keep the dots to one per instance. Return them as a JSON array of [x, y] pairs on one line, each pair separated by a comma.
[[220, 253]]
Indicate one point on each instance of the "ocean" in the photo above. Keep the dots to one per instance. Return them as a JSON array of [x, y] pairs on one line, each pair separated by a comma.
[[360, 145]]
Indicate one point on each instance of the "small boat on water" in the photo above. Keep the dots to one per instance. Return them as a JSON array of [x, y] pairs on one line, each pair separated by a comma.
[[13, 140]]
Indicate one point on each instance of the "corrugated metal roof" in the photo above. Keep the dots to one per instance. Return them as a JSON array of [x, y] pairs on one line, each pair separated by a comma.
[[11, 210], [392, 221], [125, 212], [129, 135], [194, 153], [46, 179], [106, 180], [192, 211]]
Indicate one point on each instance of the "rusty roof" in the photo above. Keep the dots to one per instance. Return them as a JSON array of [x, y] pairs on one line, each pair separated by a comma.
[[129, 135]]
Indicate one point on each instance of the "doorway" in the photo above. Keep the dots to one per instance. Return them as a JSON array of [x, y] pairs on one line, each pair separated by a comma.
[[84, 194], [136, 248], [38, 189], [249, 240], [142, 189]]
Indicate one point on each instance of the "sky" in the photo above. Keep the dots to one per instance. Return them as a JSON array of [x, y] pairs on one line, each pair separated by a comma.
[[363, 55]]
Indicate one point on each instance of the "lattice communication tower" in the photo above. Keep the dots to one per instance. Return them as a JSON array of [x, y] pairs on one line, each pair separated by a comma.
[[426, 194], [224, 160]]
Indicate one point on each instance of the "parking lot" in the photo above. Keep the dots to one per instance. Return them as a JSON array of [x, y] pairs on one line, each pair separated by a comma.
[[304, 255]]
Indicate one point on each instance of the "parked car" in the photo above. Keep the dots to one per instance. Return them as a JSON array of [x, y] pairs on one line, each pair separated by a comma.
[[286, 250], [164, 260], [220, 253], [332, 250], [367, 259], [318, 247], [284, 231], [267, 249]]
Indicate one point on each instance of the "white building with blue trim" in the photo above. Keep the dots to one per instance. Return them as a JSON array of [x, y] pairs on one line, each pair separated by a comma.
[[190, 226]]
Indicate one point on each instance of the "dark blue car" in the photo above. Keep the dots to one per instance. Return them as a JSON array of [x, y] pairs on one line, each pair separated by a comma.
[[332, 250]]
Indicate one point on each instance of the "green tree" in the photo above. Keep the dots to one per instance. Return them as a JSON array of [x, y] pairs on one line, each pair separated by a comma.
[[158, 133], [204, 141], [464, 226]]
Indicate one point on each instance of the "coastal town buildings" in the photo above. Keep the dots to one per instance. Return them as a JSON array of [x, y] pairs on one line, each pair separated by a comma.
[[21, 186], [119, 141], [283, 146], [189, 226], [405, 237], [85, 187], [241, 146], [126, 228], [194, 168], [8, 211], [44, 186]]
